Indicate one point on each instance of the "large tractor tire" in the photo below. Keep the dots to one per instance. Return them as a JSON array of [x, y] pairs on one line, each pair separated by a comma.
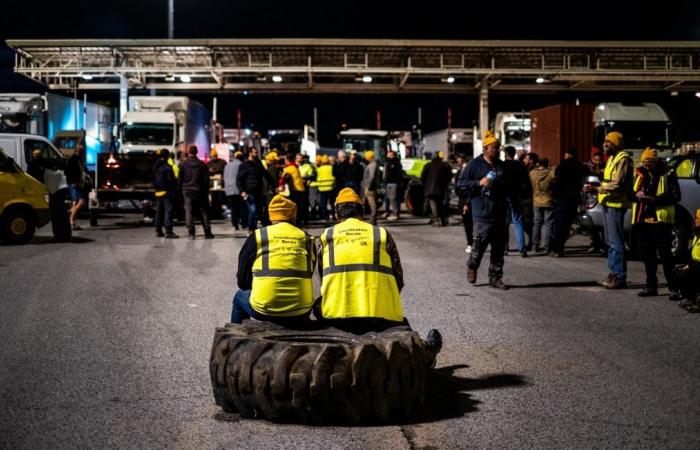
[[320, 376]]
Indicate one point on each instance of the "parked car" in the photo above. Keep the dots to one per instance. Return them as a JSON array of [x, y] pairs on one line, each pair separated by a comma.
[[687, 168]]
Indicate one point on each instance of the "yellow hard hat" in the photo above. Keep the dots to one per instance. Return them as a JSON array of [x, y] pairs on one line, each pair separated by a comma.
[[272, 156], [324, 159], [615, 137], [441, 154], [347, 195], [369, 154], [649, 154], [489, 139]]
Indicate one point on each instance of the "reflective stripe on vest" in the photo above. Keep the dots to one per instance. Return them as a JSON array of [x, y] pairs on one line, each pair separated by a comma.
[[695, 252], [664, 214], [282, 271], [616, 199], [325, 179], [358, 279]]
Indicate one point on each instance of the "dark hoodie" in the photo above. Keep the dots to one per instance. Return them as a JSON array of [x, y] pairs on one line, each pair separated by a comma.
[[194, 176]]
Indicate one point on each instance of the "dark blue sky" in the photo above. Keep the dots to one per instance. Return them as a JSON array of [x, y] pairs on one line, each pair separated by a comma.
[[669, 20]]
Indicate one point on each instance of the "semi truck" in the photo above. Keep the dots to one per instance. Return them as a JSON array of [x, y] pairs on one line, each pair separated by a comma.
[[452, 142], [62, 120], [150, 124]]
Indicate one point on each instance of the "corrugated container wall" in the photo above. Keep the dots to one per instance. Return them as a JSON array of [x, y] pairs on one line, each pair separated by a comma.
[[556, 128]]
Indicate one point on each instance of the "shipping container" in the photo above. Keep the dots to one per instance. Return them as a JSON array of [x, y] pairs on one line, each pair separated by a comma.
[[558, 127]]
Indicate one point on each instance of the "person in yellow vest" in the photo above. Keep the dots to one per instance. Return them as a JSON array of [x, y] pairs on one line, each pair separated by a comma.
[[165, 185], [688, 274], [361, 274], [325, 181], [614, 195], [291, 185], [653, 215], [275, 267]]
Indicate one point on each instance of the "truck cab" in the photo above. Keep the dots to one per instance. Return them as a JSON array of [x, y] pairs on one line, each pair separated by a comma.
[[644, 125], [513, 128], [362, 140], [20, 148]]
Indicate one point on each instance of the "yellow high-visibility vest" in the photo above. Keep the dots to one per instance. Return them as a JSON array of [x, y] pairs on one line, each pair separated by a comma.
[[282, 271], [297, 181], [664, 214], [325, 179], [358, 280], [695, 252], [617, 199]]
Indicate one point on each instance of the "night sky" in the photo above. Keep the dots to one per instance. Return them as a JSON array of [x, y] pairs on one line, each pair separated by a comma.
[[362, 19]]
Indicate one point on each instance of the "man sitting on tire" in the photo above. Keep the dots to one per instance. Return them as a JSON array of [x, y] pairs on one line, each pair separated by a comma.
[[361, 274], [275, 267]]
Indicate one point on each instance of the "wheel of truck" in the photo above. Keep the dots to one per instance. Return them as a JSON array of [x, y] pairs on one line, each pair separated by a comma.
[[321, 376], [680, 241], [17, 226]]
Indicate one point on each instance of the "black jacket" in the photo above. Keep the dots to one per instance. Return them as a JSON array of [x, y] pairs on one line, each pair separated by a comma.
[[393, 173], [250, 178], [436, 177], [163, 176], [568, 180], [73, 169], [349, 173], [487, 205], [519, 180], [194, 176]]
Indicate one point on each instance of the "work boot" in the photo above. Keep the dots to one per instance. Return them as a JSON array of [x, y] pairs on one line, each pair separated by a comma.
[[615, 282], [434, 344], [675, 295], [471, 275], [523, 254], [159, 233], [497, 283], [648, 291], [208, 235], [171, 235], [606, 280]]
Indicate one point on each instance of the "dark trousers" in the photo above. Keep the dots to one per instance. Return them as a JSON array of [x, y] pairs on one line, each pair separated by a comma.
[[653, 238], [325, 199], [485, 234], [301, 198], [467, 221], [688, 281], [196, 202], [254, 210], [438, 208], [239, 214], [217, 202], [164, 213], [564, 214], [60, 218]]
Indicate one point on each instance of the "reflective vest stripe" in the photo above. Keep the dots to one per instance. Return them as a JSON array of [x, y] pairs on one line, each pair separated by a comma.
[[358, 268], [696, 249], [664, 214], [374, 267], [265, 249]]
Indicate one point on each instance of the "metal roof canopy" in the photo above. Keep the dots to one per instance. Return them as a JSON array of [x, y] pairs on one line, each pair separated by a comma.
[[338, 65]]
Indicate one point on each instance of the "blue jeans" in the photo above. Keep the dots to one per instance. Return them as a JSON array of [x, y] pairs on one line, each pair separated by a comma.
[[613, 221], [518, 222], [254, 208], [241, 308]]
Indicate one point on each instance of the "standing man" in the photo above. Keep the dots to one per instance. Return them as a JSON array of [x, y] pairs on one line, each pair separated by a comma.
[[216, 168], [250, 185], [435, 179], [235, 202], [393, 176], [291, 181], [370, 185], [74, 176], [520, 193], [464, 207], [541, 178], [653, 215], [326, 187], [165, 185], [566, 192], [614, 196], [484, 180], [275, 267], [194, 184]]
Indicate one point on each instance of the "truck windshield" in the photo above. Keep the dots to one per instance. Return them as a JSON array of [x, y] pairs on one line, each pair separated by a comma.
[[362, 143], [148, 134], [640, 135], [288, 142], [516, 132]]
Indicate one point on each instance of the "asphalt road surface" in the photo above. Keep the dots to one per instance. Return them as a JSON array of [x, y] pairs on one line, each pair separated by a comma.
[[105, 342]]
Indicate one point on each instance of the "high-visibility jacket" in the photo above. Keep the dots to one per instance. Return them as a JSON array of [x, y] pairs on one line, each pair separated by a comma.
[[615, 199], [307, 171], [664, 214], [695, 250], [282, 271], [176, 168], [358, 279], [325, 179], [293, 172]]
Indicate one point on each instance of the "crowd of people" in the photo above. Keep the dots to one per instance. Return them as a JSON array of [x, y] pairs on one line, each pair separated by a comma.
[[540, 201]]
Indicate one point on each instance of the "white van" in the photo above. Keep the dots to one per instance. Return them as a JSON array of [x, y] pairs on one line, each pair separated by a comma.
[[20, 148]]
